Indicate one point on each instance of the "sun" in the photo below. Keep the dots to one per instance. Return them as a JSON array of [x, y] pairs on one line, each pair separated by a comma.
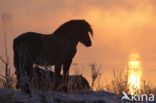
[[134, 74]]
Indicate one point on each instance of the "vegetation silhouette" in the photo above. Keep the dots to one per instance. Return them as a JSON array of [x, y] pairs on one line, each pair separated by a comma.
[[75, 82]]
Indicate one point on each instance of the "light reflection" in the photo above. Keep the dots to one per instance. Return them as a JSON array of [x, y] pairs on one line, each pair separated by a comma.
[[134, 74]]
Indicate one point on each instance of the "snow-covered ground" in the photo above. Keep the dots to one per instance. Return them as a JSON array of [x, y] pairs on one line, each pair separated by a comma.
[[86, 96]]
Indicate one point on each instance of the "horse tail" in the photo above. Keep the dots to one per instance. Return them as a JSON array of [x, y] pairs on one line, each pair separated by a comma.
[[19, 52], [16, 61], [16, 55]]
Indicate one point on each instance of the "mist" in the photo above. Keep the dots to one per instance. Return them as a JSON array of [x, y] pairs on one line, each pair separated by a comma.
[[121, 27]]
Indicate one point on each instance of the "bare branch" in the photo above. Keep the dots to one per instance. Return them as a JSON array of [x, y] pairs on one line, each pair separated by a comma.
[[2, 76], [3, 60], [6, 51]]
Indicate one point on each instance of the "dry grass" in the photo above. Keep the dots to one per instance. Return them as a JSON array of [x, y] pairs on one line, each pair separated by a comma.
[[118, 83], [147, 88], [95, 73], [7, 84]]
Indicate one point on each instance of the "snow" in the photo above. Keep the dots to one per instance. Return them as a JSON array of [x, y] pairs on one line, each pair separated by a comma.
[[85, 96]]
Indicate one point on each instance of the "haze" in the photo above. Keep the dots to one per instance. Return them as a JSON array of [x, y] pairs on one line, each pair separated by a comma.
[[121, 28]]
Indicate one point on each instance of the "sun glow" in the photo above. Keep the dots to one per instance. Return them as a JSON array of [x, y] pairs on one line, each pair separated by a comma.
[[134, 74]]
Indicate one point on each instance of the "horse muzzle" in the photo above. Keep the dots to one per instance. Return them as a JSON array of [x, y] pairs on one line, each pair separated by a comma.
[[88, 44]]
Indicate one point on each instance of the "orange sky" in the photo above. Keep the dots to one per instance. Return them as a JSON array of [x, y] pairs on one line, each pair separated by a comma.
[[121, 27]]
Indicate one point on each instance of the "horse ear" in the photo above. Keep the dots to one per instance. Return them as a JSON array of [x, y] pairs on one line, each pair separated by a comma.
[[90, 30], [83, 20], [88, 26]]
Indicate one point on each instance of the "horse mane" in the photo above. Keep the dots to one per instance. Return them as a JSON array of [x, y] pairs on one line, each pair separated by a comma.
[[68, 26]]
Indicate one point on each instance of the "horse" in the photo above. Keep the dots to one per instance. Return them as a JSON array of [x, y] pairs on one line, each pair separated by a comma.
[[44, 78], [57, 48]]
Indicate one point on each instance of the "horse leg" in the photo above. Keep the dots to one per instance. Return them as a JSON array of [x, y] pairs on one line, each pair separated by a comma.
[[27, 75], [66, 67], [17, 77], [17, 73], [26, 81], [57, 76]]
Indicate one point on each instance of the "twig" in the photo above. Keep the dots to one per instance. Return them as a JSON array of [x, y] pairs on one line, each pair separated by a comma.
[[2, 76], [6, 51], [3, 60], [6, 77]]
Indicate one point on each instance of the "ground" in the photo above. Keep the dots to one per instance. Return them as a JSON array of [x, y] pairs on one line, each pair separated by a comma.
[[85, 96]]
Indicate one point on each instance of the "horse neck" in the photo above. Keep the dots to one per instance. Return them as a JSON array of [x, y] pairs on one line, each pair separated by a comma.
[[73, 41]]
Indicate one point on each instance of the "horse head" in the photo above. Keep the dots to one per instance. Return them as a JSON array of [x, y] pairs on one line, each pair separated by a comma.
[[79, 30], [86, 30]]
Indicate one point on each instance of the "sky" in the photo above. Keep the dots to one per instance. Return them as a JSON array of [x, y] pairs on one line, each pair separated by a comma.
[[121, 28]]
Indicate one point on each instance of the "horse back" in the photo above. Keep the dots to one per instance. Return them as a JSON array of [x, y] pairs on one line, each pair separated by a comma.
[[29, 42], [44, 48]]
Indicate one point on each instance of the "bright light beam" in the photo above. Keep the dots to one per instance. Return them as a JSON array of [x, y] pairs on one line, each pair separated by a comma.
[[134, 74]]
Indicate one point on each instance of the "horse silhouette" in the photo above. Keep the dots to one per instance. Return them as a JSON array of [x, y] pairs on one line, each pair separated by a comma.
[[58, 49]]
